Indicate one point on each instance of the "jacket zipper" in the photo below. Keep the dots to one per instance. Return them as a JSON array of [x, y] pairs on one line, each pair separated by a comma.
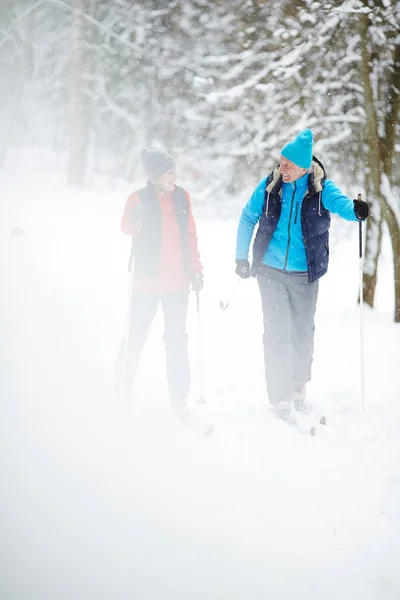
[[290, 218], [296, 212]]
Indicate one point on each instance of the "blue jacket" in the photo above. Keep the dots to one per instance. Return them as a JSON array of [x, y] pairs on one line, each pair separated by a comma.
[[294, 220]]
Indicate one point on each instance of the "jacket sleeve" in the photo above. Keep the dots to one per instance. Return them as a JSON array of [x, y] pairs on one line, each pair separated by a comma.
[[192, 239], [128, 226], [336, 202], [250, 216]]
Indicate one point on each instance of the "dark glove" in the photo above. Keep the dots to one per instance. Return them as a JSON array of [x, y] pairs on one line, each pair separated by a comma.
[[136, 214], [242, 268], [197, 282], [361, 209]]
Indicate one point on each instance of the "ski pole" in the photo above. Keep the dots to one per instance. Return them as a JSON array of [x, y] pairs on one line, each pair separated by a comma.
[[121, 365], [360, 240], [201, 399], [224, 305], [128, 317]]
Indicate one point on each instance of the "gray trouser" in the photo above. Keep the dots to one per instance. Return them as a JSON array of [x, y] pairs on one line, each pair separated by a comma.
[[143, 310], [288, 303]]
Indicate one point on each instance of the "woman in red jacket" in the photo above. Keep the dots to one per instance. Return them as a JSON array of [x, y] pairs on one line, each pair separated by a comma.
[[166, 260]]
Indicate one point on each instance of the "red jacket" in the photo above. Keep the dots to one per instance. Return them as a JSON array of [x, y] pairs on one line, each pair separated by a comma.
[[171, 275]]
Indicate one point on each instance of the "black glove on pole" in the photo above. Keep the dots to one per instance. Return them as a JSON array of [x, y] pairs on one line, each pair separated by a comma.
[[242, 268], [361, 208]]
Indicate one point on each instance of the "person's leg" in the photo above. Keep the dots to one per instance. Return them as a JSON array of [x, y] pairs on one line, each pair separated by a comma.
[[175, 307], [303, 301], [143, 310], [276, 338]]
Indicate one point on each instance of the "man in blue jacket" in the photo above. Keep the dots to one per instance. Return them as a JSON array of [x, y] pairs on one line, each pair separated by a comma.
[[292, 207]]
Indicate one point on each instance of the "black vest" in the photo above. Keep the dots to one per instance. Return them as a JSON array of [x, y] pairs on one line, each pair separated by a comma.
[[146, 246], [315, 223]]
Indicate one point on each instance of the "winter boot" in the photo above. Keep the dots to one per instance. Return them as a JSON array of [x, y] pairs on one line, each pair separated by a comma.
[[180, 410], [282, 409]]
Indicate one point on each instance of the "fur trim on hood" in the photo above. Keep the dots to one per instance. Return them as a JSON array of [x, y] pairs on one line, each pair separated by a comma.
[[316, 175]]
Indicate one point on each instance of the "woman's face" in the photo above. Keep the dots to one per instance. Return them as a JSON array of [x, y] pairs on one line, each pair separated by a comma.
[[167, 181]]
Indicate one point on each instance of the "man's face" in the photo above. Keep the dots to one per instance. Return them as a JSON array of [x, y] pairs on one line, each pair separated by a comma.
[[167, 181], [289, 171]]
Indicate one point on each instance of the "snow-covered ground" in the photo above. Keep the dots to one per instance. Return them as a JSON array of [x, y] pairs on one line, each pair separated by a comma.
[[109, 502]]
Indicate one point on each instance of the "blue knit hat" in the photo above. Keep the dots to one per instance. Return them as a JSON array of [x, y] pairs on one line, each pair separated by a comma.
[[300, 151]]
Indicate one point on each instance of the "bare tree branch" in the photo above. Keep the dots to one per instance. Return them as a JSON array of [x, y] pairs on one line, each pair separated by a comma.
[[62, 5]]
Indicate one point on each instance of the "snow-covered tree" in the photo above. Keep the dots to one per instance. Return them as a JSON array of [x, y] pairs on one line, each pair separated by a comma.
[[332, 67], [223, 85], [77, 125], [380, 68], [16, 66]]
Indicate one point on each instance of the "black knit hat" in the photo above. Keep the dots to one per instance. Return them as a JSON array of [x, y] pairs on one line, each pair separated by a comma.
[[156, 162]]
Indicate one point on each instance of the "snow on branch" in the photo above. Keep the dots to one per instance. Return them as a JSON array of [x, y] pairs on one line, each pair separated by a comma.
[[16, 22], [333, 140], [235, 92], [223, 59], [364, 10], [243, 65], [115, 108], [340, 119], [349, 7], [61, 4], [386, 190]]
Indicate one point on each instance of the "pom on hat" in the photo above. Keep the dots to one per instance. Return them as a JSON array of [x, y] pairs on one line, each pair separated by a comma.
[[300, 150], [156, 162]]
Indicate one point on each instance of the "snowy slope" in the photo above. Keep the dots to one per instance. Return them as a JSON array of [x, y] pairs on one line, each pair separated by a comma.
[[110, 502]]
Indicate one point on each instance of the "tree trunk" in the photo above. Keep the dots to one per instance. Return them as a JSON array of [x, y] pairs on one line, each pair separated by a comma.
[[77, 129], [392, 108], [394, 231], [374, 228], [392, 111], [380, 159], [373, 244]]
